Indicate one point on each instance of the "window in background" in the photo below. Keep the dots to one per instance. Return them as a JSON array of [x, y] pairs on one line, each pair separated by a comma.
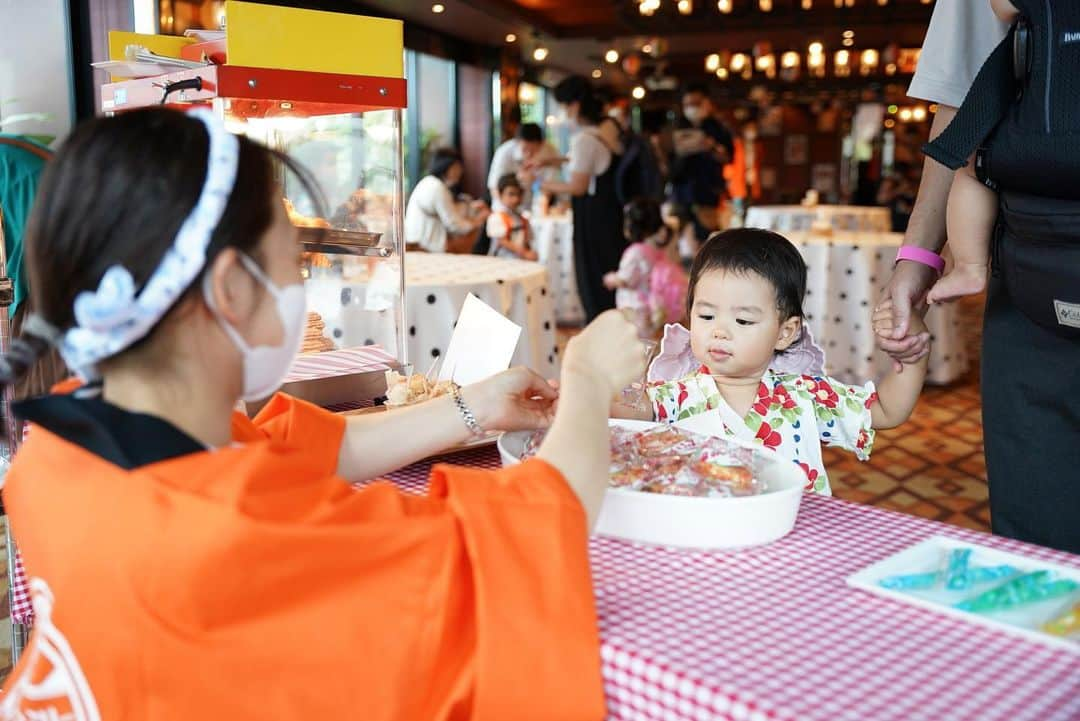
[[532, 98], [437, 114]]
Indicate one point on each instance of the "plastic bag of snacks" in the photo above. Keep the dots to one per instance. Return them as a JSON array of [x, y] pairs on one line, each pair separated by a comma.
[[675, 462]]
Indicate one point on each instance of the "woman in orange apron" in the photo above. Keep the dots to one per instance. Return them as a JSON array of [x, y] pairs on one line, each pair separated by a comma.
[[187, 562]]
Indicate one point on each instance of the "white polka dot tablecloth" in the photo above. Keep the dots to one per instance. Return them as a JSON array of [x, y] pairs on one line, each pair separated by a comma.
[[774, 634], [787, 218], [554, 243], [358, 312], [845, 274]]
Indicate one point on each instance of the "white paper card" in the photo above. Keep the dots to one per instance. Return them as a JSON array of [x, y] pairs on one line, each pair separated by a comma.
[[482, 345]]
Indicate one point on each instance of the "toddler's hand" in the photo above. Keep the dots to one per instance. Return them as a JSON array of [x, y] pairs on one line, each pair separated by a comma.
[[611, 281], [885, 321], [607, 352]]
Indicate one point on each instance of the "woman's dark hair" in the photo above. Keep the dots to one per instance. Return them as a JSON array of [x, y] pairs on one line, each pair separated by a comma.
[[117, 193], [641, 219], [442, 160], [576, 89], [752, 250], [531, 133]]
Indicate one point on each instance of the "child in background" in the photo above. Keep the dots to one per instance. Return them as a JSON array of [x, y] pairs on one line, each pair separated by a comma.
[[680, 219], [508, 229], [648, 282], [749, 357]]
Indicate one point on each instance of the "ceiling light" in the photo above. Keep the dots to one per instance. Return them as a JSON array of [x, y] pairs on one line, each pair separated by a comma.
[[612, 56], [842, 57], [597, 74], [816, 48], [511, 38], [712, 62], [905, 115], [790, 59], [765, 5], [890, 123], [919, 114], [848, 42], [723, 6], [647, 49], [540, 54], [686, 7], [738, 62], [722, 73], [438, 8], [638, 93], [849, 33], [807, 4]]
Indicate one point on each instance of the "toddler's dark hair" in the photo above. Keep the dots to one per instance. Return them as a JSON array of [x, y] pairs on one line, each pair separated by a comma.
[[508, 181], [641, 219], [752, 250]]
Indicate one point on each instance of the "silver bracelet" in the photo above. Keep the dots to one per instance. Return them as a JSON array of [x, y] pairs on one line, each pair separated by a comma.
[[466, 413]]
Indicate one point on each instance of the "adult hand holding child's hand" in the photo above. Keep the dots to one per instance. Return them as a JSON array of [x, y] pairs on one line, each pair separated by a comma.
[[905, 296]]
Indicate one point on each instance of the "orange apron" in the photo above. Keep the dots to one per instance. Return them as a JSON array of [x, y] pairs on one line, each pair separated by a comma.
[[251, 583]]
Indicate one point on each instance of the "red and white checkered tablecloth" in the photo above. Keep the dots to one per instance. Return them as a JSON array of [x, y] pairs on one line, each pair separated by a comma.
[[774, 633]]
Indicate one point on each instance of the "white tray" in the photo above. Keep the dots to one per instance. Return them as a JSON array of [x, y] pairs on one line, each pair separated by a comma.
[[927, 556]]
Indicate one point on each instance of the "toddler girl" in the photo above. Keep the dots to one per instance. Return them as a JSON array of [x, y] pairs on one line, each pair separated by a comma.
[[649, 283], [749, 357]]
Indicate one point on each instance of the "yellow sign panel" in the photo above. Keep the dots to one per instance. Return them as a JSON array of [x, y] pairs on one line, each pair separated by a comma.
[[266, 36], [167, 45]]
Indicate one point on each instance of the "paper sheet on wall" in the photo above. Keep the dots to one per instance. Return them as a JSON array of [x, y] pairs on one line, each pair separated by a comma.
[[482, 345]]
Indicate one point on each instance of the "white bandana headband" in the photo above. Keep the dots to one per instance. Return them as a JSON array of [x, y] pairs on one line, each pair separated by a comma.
[[112, 318]]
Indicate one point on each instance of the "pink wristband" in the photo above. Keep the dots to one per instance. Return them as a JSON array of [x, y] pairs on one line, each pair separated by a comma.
[[921, 255]]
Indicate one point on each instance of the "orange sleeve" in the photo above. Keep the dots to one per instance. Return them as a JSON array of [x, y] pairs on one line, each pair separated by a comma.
[[537, 644], [299, 424]]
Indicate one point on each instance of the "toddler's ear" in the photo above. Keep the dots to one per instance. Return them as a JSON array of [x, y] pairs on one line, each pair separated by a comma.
[[790, 330]]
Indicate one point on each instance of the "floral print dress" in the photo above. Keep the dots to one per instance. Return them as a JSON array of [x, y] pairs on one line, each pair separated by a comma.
[[793, 414]]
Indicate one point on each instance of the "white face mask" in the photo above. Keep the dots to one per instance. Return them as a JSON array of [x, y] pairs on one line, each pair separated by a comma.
[[265, 367]]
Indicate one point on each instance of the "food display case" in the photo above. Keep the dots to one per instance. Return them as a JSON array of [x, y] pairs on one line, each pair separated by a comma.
[[326, 89]]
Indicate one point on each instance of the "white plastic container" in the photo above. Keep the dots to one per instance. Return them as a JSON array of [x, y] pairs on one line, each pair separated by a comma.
[[705, 523]]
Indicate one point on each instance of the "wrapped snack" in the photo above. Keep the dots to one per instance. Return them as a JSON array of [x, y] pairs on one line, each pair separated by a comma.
[[405, 390], [1067, 624], [956, 570], [738, 478], [983, 574], [923, 581], [664, 441], [910, 581], [1029, 588]]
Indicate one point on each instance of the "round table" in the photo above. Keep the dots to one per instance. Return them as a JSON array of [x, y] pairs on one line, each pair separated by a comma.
[[360, 309], [845, 274], [553, 240], [787, 218]]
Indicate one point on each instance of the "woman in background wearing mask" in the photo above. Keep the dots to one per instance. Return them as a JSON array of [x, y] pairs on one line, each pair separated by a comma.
[[187, 562], [433, 219], [702, 147], [594, 158]]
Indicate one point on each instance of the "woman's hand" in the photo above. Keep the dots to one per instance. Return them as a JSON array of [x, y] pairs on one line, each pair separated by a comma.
[[905, 297], [513, 400], [608, 352]]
